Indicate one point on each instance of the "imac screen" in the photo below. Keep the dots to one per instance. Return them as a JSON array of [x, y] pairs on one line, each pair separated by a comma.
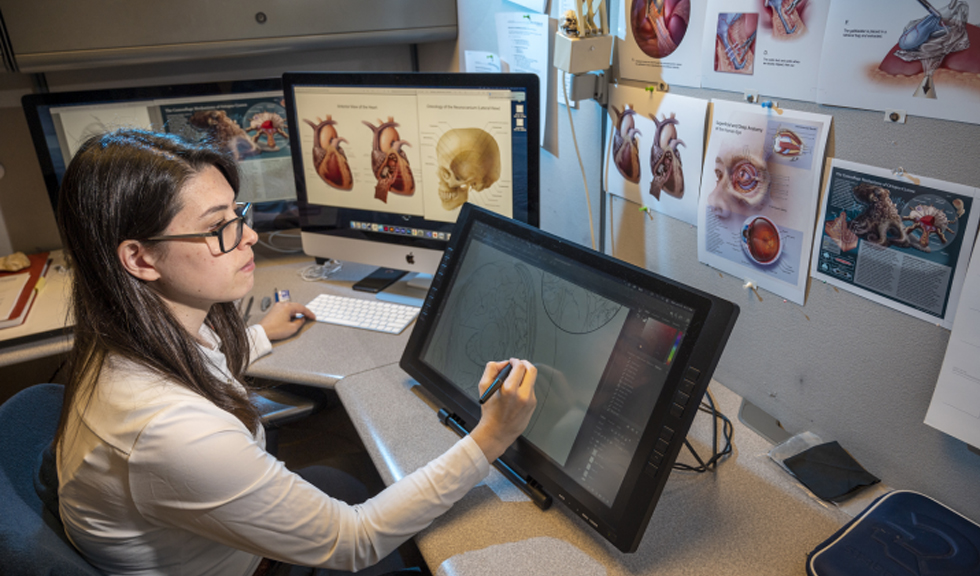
[[247, 117], [623, 359], [388, 158]]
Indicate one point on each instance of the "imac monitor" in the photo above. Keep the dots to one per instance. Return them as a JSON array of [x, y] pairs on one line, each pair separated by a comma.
[[248, 117], [385, 161], [624, 357]]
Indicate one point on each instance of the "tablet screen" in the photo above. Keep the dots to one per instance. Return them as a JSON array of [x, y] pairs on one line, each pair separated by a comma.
[[612, 343]]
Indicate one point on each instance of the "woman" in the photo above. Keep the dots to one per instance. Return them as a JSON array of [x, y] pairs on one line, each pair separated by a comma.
[[161, 460]]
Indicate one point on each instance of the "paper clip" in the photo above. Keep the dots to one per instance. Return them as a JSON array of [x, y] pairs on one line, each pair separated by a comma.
[[901, 173]]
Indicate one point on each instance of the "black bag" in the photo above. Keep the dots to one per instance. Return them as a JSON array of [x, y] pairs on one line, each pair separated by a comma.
[[902, 534]]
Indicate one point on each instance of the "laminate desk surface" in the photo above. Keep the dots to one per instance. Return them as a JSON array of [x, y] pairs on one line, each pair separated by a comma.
[[748, 517], [320, 354]]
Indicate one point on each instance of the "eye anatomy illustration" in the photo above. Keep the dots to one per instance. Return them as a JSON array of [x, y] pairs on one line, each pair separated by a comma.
[[328, 157], [935, 44], [665, 159], [469, 160], [743, 182], [788, 145], [389, 162], [735, 42], [659, 26], [787, 18], [761, 241], [626, 144]]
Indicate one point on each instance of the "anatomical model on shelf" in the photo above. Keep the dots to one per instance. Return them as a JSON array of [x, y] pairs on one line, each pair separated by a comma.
[[329, 158], [469, 161], [389, 162]]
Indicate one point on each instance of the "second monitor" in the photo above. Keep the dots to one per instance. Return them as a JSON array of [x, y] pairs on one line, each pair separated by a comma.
[[384, 161]]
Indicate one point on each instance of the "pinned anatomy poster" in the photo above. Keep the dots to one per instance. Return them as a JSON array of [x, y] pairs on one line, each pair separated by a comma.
[[654, 149], [772, 47], [900, 240], [760, 187], [662, 41], [921, 57]]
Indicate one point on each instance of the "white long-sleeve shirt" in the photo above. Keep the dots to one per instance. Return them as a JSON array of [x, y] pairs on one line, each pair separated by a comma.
[[155, 479]]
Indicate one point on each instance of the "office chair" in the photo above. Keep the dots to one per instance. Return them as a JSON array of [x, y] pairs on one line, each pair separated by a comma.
[[32, 538]]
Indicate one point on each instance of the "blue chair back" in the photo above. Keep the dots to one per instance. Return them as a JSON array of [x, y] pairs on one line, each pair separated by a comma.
[[32, 538]]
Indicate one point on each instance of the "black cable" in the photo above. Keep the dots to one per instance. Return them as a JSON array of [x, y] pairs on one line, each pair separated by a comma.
[[728, 431]]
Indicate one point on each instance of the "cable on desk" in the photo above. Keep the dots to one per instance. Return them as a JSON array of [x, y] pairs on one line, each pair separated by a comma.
[[272, 235], [728, 431], [324, 271]]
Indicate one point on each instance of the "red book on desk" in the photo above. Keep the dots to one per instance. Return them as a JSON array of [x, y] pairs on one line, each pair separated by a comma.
[[37, 269]]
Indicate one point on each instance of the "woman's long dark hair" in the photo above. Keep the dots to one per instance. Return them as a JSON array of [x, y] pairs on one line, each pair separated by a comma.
[[125, 185]]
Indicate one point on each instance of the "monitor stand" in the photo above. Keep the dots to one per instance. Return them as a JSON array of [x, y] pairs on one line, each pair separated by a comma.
[[410, 290]]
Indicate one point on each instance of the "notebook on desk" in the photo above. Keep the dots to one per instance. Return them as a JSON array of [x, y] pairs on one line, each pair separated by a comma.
[[18, 290]]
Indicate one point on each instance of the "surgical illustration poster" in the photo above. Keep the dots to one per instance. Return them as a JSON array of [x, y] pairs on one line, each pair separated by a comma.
[[902, 241], [653, 150], [772, 47], [761, 183], [917, 56], [662, 41]]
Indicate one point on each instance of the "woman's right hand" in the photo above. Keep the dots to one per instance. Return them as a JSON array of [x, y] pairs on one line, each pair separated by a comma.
[[506, 414]]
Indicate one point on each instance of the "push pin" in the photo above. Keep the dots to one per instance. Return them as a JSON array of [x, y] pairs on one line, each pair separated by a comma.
[[646, 210]]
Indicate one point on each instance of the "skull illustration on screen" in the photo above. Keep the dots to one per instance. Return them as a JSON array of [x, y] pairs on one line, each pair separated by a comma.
[[469, 159]]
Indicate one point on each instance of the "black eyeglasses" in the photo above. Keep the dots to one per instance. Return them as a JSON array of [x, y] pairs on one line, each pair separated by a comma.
[[229, 235]]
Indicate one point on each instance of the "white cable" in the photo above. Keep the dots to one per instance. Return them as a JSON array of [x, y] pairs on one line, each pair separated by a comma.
[[324, 271], [588, 199]]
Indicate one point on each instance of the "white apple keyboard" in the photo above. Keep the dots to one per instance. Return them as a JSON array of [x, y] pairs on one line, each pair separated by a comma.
[[369, 314]]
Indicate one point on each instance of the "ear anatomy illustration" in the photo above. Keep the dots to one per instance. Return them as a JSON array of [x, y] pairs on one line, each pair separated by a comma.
[[389, 162], [787, 21], [735, 43], [665, 159], [659, 25], [940, 39], [469, 160], [743, 182], [626, 145], [328, 157]]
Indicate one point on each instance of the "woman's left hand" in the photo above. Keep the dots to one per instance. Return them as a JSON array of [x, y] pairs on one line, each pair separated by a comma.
[[281, 320]]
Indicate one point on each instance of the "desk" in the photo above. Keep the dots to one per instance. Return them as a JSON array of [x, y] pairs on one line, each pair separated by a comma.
[[747, 518], [42, 334], [321, 354]]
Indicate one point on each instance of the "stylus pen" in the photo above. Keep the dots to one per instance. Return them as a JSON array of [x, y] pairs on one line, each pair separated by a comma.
[[497, 383]]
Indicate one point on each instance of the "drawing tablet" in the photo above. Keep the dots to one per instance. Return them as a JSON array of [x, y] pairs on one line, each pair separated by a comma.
[[624, 357]]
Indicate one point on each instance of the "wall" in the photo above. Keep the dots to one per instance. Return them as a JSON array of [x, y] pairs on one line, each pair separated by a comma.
[[841, 366]]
